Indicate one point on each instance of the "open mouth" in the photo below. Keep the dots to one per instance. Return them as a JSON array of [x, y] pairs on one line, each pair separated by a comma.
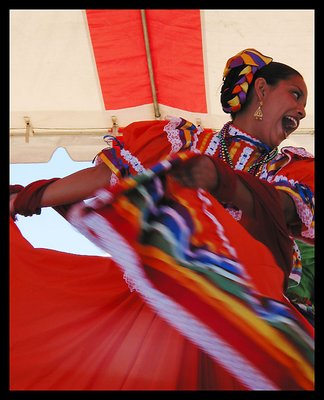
[[289, 124]]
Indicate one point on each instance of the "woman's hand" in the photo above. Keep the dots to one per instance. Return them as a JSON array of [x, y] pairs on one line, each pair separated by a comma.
[[11, 205], [198, 172]]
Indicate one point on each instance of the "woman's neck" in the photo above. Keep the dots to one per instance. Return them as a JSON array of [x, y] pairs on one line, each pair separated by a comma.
[[248, 125]]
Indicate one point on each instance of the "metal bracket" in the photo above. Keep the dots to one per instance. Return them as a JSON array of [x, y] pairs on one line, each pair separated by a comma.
[[114, 129], [29, 130], [198, 121]]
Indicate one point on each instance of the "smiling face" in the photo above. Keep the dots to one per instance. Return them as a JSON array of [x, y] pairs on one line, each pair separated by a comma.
[[283, 108]]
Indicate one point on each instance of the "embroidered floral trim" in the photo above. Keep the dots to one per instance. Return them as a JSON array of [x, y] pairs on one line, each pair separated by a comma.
[[303, 209], [195, 140], [264, 173], [234, 131], [133, 161], [244, 157], [173, 134], [213, 145], [306, 216]]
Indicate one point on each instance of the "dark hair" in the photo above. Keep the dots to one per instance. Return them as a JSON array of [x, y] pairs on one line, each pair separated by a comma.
[[273, 73]]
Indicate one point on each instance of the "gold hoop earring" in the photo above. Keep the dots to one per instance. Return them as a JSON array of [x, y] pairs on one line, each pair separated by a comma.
[[258, 115]]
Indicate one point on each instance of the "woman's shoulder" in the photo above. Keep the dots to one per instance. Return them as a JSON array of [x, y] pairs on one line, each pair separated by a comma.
[[142, 144]]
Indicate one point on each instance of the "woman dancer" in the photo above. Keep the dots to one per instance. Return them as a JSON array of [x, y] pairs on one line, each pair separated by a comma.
[[201, 225]]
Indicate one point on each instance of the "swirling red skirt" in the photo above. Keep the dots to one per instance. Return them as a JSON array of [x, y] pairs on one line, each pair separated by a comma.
[[76, 325]]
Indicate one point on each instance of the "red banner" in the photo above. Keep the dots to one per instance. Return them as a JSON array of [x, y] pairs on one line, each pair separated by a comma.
[[176, 50]]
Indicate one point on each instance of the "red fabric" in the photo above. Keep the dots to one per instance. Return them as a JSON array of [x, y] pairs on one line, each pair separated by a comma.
[[227, 180], [176, 52], [12, 190], [75, 325], [122, 215], [303, 169], [235, 336], [147, 151], [149, 142], [266, 276], [15, 188], [28, 199], [269, 225]]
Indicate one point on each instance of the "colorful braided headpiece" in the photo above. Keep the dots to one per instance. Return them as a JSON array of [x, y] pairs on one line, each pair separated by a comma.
[[253, 60]]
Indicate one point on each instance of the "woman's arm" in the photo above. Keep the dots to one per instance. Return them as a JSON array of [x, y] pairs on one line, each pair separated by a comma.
[[289, 208], [76, 187], [214, 176]]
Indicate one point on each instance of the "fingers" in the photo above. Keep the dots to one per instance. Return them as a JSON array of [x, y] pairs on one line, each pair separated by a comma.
[[197, 173], [184, 176]]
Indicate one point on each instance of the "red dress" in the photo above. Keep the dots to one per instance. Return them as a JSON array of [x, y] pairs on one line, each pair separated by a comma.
[[190, 300]]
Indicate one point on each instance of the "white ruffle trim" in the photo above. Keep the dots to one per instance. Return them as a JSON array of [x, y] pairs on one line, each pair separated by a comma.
[[173, 134], [132, 160]]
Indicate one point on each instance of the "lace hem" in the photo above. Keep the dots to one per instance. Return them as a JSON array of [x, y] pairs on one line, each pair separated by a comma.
[[173, 134], [132, 160]]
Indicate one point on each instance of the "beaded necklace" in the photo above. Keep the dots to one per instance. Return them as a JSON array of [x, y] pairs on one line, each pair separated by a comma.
[[254, 169]]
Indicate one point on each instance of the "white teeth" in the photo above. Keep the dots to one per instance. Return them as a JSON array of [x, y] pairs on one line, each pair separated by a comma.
[[293, 120], [289, 124]]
